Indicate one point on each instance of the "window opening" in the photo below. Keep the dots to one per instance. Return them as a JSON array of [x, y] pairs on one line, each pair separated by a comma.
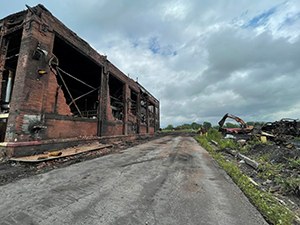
[[143, 107], [133, 101], [116, 97], [11, 47], [151, 115], [12, 44], [79, 78], [156, 118]]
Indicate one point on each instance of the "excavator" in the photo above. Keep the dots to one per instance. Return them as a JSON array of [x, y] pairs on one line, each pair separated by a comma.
[[244, 128]]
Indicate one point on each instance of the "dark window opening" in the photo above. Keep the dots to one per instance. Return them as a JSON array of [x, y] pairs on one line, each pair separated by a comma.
[[133, 101], [151, 115], [143, 107], [3, 125], [156, 118], [116, 97], [79, 78], [12, 44]]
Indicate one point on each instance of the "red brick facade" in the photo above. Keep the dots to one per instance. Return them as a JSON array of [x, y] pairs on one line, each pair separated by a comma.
[[48, 104]]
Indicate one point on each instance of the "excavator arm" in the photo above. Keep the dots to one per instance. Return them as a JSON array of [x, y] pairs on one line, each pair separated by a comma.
[[237, 119]]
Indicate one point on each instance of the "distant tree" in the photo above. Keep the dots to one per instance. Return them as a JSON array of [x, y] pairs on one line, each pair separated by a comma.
[[186, 126], [179, 127], [169, 127], [206, 125], [261, 122], [195, 126], [253, 123], [216, 127], [231, 125], [250, 123]]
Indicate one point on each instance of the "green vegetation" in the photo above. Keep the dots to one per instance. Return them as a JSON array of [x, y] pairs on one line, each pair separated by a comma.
[[195, 126], [293, 164], [288, 185], [265, 158], [183, 130], [213, 134], [206, 125], [231, 125], [229, 144], [268, 205], [169, 127], [269, 170], [187, 127]]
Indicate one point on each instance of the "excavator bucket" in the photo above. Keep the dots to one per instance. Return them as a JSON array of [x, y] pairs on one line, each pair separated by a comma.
[[222, 121]]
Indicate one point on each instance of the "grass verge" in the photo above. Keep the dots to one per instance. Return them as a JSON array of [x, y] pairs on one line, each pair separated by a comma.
[[266, 203]]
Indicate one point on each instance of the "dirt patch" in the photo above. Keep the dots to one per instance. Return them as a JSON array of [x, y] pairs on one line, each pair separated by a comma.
[[184, 157], [192, 184]]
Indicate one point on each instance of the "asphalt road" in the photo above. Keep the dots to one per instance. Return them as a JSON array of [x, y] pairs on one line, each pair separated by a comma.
[[171, 180]]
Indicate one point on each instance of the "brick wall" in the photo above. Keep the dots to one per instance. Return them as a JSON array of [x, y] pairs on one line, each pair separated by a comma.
[[143, 129], [68, 129], [151, 130], [38, 95], [113, 128]]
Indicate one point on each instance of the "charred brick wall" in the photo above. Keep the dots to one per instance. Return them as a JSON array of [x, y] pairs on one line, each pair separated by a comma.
[[29, 87], [40, 96]]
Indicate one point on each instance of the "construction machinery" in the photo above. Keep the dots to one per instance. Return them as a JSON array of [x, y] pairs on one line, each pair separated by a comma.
[[244, 128]]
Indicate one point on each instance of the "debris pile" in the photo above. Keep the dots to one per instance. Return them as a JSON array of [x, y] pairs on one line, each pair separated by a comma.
[[283, 127], [269, 154]]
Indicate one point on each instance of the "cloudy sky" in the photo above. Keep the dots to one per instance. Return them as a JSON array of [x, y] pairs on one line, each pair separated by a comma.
[[201, 58]]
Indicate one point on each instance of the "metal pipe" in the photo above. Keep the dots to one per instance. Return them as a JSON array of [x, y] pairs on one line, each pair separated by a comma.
[[82, 96], [9, 86], [75, 78], [62, 79]]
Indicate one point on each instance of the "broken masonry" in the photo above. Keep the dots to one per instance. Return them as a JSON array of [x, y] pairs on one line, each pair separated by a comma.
[[54, 86]]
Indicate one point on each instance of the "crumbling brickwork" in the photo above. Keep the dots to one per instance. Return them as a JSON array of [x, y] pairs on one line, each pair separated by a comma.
[[54, 85]]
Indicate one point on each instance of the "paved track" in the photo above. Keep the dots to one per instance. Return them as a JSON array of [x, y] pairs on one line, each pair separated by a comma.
[[171, 180]]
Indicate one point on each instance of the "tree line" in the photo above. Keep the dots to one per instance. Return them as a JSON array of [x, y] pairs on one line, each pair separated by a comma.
[[206, 125]]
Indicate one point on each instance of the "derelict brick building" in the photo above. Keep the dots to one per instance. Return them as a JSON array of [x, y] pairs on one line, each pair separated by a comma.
[[56, 88]]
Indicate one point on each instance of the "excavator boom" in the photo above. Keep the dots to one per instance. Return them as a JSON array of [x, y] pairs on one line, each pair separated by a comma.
[[237, 119]]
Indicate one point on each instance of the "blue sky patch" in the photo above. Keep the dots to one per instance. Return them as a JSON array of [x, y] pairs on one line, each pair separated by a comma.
[[290, 21], [260, 19], [156, 48], [154, 45]]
